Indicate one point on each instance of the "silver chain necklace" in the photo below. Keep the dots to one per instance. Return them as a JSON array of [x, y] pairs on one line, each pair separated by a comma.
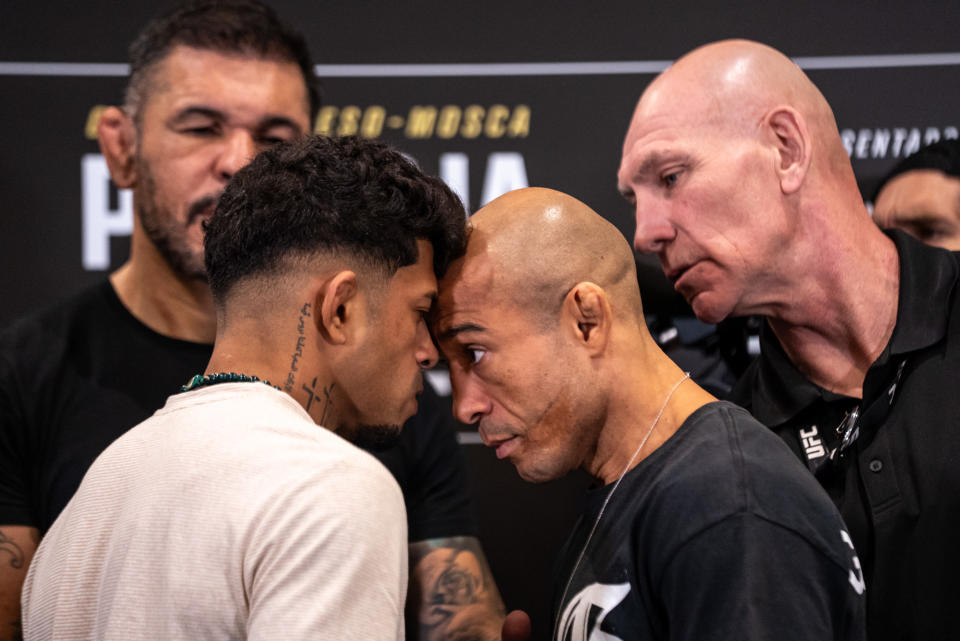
[[583, 551]]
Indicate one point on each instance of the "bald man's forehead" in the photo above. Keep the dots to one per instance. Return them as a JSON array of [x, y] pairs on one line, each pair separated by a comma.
[[468, 286]]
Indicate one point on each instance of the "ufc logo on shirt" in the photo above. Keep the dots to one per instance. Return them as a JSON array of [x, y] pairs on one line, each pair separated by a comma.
[[811, 443]]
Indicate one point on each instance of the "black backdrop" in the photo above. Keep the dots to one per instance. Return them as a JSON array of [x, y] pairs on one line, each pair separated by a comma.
[[490, 95]]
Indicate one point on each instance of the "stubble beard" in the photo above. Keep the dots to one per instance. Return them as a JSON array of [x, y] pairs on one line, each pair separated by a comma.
[[374, 438], [165, 233]]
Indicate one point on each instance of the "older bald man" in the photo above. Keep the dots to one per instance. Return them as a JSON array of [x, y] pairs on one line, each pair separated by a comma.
[[706, 526], [744, 191]]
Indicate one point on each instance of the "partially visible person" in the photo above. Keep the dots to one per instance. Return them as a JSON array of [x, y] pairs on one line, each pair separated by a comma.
[[212, 84], [706, 526], [921, 195], [233, 513], [743, 189]]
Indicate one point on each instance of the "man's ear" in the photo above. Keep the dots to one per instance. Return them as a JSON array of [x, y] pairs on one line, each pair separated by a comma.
[[118, 142], [337, 305], [586, 312], [792, 143]]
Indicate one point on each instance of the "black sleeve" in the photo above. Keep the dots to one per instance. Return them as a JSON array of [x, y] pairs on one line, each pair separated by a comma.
[[748, 578], [14, 493]]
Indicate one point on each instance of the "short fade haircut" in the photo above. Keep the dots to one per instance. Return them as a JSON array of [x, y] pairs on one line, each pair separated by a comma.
[[941, 156], [345, 196], [240, 27]]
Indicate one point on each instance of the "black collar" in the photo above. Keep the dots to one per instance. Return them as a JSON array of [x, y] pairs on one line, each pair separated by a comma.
[[928, 278]]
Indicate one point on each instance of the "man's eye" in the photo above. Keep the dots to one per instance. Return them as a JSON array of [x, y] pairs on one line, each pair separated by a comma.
[[270, 141], [207, 130], [927, 231], [929, 234], [476, 355], [669, 180]]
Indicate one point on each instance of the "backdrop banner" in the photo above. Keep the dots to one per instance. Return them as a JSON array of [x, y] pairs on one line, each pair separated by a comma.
[[491, 97]]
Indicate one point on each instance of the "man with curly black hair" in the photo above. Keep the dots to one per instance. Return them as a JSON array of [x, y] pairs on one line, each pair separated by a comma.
[[231, 513]]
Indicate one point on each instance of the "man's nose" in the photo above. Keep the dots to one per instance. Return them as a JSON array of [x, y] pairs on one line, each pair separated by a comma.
[[470, 404], [654, 229], [427, 354], [239, 149]]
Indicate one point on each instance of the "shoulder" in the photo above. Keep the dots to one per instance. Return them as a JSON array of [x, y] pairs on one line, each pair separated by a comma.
[[285, 448], [43, 331], [725, 464], [328, 485]]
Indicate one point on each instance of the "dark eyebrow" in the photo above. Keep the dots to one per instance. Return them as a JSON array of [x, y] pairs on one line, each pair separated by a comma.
[[451, 332], [196, 110], [215, 114], [650, 162]]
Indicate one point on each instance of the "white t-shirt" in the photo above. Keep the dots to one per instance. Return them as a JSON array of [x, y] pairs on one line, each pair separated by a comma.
[[229, 514]]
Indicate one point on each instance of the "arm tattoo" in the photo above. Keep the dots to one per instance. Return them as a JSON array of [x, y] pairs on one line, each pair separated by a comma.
[[452, 592], [456, 585], [15, 551], [298, 350]]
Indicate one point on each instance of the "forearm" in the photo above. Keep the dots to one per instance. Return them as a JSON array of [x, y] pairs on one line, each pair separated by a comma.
[[17, 545], [452, 593]]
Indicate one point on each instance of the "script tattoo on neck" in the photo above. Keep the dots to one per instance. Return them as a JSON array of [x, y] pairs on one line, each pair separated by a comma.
[[298, 350], [15, 551], [313, 395]]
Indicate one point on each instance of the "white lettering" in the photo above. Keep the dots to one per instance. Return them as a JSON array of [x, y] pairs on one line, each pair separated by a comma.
[[931, 135], [585, 612], [99, 221], [881, 140], [863, 143], [856, 573], [849, 137], [913, 142], [506, 171], [899, 135], [812, 445], [455, 171]]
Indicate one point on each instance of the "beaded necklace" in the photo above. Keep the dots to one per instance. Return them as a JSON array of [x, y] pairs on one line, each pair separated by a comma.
[[203, 380]]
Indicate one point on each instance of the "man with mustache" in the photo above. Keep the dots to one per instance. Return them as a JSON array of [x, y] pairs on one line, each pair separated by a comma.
[[234, 512], [743, 189], [211, 85], [706, 527]]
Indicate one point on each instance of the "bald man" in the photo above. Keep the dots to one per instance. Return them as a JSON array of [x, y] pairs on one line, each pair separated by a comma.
[[743, 189], [706, 526]]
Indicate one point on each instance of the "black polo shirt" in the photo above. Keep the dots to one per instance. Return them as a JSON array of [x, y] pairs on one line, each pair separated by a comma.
[[898, 484]]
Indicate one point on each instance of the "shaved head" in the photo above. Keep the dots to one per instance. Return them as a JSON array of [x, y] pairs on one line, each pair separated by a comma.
[[730, 86], [540, 321], [537, 243]]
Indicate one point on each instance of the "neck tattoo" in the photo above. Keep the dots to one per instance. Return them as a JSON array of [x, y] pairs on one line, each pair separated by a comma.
[[603, 507], [201, 380]]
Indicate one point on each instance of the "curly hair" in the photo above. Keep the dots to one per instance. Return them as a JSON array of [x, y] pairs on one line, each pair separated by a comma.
[[319, 195], [244, 27]]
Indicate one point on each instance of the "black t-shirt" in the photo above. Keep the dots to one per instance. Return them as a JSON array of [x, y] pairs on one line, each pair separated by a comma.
[[897, 484], [74, 378], [718, 534]]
